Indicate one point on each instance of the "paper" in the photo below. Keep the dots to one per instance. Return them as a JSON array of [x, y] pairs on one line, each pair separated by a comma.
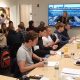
[[59, 53], [36, 47], [71, 71], [70, 78], [52, 64], [78, 40], [44, 78], [74, 41], [67, 77]]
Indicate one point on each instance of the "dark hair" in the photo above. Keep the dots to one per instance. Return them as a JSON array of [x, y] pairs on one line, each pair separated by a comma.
[[21, 27], [30, 35], [31, 22], [41, 28], [42, 23], [47, 27], [10, 22], [59, 25], [2, 25]]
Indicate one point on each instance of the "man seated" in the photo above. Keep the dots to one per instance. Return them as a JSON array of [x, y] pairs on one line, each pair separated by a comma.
[[40, 49], [25, 54], [58, 33]]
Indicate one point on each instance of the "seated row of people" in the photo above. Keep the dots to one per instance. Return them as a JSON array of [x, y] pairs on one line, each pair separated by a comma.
[[42, 43]]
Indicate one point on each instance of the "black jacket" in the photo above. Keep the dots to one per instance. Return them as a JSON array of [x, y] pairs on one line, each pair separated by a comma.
[[63, 19], [42, 51], [13, 43], [63, 39]]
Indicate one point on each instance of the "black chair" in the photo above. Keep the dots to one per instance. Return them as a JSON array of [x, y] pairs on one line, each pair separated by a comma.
[[15, 68]]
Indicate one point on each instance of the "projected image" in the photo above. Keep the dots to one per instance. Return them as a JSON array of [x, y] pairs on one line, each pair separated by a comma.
[[55, 11], [4, 15]]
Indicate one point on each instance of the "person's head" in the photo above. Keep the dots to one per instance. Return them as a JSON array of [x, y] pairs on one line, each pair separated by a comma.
[[49, 31], [22, 24], [60, 26], [3, 26], [31, 38], [10, 23], [42, 31], [11, 27], [31, 23], [42, 23], [65, 14]]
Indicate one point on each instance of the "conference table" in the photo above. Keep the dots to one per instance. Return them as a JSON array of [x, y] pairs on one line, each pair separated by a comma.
[[65, 61], [2, 77]]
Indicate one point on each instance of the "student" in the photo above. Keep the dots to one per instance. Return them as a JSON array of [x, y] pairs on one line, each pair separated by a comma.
[[59, 29], [4, 29], [25, 54], [31, 26], [21, 33], [11, 26], [65, 32], [51, 37], [40, 49], [42, 24], [21, 26], [47, 40], [3, 40]]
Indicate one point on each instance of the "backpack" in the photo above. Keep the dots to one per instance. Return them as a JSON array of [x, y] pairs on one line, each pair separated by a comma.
[[5, 59]]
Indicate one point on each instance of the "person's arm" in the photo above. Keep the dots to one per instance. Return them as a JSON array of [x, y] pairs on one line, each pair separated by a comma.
[[59, 19], [55, 38], [60, 37], [24, 68], [22, 60], [63, 41], [41, 46], [37, 57], [41, 53]]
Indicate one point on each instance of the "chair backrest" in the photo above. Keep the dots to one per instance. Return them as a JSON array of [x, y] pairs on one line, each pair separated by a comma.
[[17, 72]]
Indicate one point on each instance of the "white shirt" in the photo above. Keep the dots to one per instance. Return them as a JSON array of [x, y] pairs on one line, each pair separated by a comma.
[[46, 40]]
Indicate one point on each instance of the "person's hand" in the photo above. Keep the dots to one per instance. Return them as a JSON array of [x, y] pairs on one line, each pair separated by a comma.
[[42, 59], [55, 46], [71, 40], [40, 64], [57, 40], [52, 52]]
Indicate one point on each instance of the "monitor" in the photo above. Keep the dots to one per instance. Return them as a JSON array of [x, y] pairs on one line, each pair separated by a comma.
[[56, 10]]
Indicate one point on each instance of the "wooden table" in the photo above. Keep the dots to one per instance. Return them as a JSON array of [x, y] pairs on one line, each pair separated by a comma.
[[50, 72], [2, 77]]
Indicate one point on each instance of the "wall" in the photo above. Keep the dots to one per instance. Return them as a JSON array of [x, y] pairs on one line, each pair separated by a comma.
[[14, 10], [39, 13], [26, 14], [43, 9]]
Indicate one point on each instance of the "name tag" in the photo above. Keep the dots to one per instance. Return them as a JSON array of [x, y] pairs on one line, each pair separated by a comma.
[[36, 47]]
